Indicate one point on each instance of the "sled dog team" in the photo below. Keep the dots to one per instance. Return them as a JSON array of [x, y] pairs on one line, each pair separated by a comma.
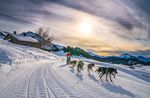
[[100, 70]]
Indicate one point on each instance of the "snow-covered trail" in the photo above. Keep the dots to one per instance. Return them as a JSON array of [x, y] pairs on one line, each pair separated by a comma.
[[27, 72], [54, 79], [26, 85], [88, 85], [43, 81]]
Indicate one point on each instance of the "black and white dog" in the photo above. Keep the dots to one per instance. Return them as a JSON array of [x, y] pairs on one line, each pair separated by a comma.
[[108, 71]]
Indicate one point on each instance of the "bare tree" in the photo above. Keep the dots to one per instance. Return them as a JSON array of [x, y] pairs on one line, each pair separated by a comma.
[[45, 37]]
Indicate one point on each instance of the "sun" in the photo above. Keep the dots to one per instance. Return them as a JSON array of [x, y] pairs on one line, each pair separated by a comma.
[[85, 27]]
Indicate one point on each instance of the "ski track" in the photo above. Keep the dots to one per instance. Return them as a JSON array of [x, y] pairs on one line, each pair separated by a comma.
[[48, 80], [43, 82], [85, 89], [27, 85], [90, 88], [70, 90], [37, 83]]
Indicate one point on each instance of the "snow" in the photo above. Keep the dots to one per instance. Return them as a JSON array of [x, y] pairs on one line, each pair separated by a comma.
[[126, 56], [144, 59], [60, 53], [140, 58], [3, 34], [24, 38], [27, 72], [60, 45]]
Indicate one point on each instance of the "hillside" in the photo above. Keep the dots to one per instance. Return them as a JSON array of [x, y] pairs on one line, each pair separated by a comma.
[[27, 72], [124, 59]]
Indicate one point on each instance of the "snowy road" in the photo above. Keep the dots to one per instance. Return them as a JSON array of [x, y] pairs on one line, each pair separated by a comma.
[[53, 79], [43, 81], [27, 72]]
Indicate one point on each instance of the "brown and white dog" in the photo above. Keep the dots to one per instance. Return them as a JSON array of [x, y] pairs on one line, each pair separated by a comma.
[[73, 63], [90, 67]]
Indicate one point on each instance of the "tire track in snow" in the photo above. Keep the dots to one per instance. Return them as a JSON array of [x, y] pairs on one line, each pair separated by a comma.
[[72, 93], [49, 91], [15, 79], [15, 89], [88, 86], [22, 86], [27, 90], [69, 87], [31, 84], [37, 85], [53, 86]]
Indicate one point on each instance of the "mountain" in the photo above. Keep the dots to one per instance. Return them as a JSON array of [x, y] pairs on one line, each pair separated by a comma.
[[144, 59], [125, 59], [126, 56], [140, 58], [91, 53]]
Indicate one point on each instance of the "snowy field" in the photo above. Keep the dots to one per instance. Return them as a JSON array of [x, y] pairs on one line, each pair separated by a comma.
[[27, 72]]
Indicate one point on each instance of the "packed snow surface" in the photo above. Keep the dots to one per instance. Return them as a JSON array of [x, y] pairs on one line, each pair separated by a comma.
[[27, 72]]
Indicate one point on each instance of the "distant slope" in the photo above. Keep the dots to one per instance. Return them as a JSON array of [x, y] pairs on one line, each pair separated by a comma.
[[125, 59]]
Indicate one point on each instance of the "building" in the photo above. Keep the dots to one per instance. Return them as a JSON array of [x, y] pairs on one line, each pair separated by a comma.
[[22, 40]]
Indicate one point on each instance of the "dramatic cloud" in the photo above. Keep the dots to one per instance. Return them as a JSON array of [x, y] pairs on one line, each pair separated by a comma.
[[117, 25]]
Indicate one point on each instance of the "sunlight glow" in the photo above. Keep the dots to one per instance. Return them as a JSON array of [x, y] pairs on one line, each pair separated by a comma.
[[85, 27]]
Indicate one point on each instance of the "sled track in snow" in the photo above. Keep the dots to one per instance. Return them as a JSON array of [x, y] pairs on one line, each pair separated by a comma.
[[69, 89], [36, 83], [11, 82], [53, 85], [41, 82], [11, 87], [31, 86], [48, 81], [15, 80], [27, 90], [49, 90]]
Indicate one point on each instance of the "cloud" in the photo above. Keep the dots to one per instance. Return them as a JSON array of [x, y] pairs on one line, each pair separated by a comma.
[[137, 52], [117, 24], [15, 19]]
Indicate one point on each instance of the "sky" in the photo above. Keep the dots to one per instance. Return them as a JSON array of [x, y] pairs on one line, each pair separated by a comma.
[[107, 27]]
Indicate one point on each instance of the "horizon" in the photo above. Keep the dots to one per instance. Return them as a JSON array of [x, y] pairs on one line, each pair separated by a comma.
[[105, 27], [88, 50]]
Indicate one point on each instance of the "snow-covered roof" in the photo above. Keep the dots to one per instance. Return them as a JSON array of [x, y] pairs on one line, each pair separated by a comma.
[[24, 38]]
